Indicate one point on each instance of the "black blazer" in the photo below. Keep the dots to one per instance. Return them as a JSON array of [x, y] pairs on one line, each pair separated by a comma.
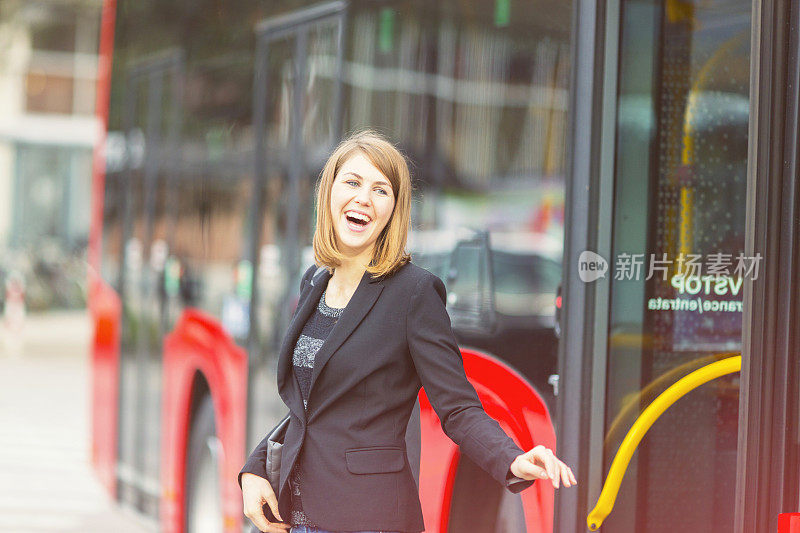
[[393, 337]]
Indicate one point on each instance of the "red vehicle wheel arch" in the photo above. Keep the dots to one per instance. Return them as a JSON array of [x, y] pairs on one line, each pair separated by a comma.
[[520, 411], [198, 344]]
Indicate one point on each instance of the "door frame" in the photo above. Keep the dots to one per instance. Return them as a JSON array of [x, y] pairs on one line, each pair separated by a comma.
[[588, 223], [768, 481]]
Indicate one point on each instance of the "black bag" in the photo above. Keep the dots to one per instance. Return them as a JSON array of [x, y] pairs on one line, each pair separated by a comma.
[[272, 463], [273, 459]]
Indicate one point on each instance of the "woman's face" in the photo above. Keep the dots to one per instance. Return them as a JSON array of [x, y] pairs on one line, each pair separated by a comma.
[[362, 201]]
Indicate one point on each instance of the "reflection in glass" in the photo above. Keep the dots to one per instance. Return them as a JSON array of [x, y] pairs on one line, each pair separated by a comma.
[[679, 191]]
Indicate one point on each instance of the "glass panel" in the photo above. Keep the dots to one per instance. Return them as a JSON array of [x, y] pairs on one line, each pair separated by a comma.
[[680, 191], [140, 184]]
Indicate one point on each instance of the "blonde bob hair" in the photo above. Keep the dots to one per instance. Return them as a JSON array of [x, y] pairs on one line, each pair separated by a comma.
[[389, 253]]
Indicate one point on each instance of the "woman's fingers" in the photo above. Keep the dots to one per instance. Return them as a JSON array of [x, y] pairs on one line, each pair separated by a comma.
[[529, 470], [554, 465], [257, 518], [556, 469], [261, 522], [539, 463], [565, 474], [547, 459], [273, 505], [570, 475], [256, 491]]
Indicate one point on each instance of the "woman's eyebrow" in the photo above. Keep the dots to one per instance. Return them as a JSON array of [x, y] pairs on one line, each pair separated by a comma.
[[351, 173]]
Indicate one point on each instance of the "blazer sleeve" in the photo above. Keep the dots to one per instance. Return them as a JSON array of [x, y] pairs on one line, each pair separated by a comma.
[[439, 365], [256, 462]]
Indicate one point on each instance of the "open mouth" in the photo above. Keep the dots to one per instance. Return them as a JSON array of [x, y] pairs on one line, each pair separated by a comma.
[[357, 223]]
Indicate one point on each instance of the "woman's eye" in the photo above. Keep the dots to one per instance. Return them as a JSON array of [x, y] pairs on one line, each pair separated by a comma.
[[383, 191], [352, 181]]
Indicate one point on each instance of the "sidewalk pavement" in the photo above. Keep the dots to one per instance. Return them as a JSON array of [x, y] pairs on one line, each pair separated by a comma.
[[46, 479]]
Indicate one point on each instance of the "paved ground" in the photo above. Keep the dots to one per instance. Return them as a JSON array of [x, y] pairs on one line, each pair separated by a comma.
[[46, 481]]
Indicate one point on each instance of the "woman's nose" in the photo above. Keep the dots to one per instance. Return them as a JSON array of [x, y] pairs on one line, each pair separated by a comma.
[[363, 196]]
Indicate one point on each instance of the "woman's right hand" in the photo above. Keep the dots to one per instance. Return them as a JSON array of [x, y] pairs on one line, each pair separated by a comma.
[[256, 491]]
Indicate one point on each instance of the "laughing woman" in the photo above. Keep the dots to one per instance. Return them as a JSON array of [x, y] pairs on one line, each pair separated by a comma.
[[368, 332]]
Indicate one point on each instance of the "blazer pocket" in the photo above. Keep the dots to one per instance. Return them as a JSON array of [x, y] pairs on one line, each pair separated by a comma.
[[375, 459]]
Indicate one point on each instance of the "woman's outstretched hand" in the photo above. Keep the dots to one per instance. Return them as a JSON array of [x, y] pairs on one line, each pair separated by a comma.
[[256, 491], [541, 463]]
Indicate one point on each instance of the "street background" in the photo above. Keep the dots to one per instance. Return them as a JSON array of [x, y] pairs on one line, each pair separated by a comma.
[[46, 480]]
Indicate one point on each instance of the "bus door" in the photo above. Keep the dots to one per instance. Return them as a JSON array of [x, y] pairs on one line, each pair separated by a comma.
[[151, 120], [297, 120], [654, 269]]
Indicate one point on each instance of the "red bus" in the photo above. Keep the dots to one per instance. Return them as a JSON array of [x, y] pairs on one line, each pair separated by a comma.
[[538, 133], [218, 122]]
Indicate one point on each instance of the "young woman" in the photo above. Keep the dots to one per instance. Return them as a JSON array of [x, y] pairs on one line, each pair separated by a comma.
[[367, 333]]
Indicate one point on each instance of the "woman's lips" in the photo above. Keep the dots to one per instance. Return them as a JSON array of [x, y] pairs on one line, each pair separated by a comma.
[[355, 228]]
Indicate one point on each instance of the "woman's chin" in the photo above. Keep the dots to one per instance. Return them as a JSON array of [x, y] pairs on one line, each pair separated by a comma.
[[353, 246]]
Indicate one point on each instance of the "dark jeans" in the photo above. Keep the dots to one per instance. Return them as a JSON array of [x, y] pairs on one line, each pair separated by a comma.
[[307, 529]]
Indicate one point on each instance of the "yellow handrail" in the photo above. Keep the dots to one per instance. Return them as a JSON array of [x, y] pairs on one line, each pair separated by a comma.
[[632, 402], [620, 464]]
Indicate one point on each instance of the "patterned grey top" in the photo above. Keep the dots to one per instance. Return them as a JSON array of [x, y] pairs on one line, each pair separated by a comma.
[[315, 331]]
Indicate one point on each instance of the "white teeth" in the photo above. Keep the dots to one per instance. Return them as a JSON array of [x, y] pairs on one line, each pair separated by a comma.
[[359, 216]]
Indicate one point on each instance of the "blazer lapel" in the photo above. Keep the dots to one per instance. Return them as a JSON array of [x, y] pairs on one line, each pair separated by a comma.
[[288, 389], [357, 308]]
